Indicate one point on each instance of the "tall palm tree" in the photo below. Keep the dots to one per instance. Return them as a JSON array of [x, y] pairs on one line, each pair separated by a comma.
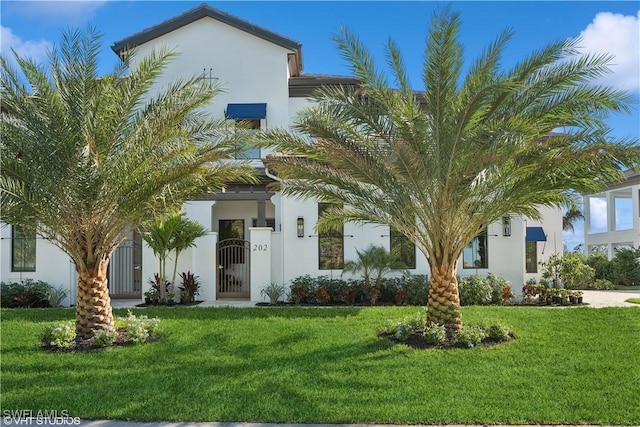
[[441, 165], [86, 158]]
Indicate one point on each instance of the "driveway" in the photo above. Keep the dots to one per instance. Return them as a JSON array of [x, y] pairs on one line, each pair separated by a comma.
[[610, 298]]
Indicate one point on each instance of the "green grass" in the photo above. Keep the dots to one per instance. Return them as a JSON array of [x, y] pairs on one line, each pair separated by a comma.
[[567, 366], [633, 300]]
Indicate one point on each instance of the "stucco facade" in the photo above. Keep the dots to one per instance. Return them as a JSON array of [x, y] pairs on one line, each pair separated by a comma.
[[257, 67]]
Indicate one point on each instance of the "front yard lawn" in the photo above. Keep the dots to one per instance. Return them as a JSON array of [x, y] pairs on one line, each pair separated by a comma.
[[327, 365]]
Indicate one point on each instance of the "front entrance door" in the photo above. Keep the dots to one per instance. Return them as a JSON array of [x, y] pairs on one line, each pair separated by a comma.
[[125, 269], [233, 260]]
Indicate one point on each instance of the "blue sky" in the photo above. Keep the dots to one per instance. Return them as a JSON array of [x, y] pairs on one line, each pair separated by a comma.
[[31, 27]]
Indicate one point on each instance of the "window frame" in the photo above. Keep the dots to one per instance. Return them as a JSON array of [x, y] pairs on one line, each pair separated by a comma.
[[479, 244], [246, 126], [405, 246], [20, 235], [531, 251], [334, 239]]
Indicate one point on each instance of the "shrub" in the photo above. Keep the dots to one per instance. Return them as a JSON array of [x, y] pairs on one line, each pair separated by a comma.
[[625, 267], [601, 285], [59, 335], [138, 329], [274, 292], [434, 334], [601, 265], [190, 287], [417, 287], [334, 287], [401, 297], [26, 294], [498, 332], [470, 336], [569, 270], [321, 295], [302, 289], [474, 290], [104, 338], [56, 295]]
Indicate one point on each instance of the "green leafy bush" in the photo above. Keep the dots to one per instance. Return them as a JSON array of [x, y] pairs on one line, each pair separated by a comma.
[[625, 267], [138, 329], [568, 270], [497, 332], [58, 335], [29, 294], [434, 334], [470, 336], [474, 290], [104, 338]]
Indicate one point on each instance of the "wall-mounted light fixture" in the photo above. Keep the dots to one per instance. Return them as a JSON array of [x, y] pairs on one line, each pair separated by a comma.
[[506, 226], [300, 226]]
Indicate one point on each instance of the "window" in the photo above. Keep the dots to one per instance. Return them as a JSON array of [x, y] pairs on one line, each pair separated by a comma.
[[475, 255], [23, 250], [271, 222], [403, 251], [330, 245], [245, 130], [531, 256]]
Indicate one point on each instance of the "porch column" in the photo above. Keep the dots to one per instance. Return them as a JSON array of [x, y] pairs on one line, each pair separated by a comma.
[[262, 209], [260, 239], [204, 265]]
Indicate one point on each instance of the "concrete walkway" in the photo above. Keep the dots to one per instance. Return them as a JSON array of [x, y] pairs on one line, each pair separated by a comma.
[[595, 299]]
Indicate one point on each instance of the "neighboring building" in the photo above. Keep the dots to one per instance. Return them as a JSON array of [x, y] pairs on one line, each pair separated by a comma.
[[257, 237], [612, 217]]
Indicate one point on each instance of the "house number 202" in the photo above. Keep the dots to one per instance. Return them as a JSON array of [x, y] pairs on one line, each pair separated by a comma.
[[260, 248]]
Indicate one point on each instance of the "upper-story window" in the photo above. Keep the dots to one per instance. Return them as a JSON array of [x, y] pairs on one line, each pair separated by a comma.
[[248, 119], [245, 130]]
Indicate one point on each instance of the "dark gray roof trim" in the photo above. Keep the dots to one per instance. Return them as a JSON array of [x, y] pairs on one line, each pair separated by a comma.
[[303, 86], [199, 12]]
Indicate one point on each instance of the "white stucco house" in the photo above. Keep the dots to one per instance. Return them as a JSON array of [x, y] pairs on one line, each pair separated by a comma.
[[612, 217], [256, 236]]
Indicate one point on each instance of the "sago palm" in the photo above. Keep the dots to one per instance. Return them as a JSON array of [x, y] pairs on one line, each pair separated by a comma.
[[440, 165], [87, 158]]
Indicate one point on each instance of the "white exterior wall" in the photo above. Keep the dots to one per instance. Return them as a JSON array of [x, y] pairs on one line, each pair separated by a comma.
[[52, 265], [612, 237], [250, 69]]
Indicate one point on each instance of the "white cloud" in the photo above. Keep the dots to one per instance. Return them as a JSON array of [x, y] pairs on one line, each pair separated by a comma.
[[617, 35], [71, 13], [36, 50], [598, 214]]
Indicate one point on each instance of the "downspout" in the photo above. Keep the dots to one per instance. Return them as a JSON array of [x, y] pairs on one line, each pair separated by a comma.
[[282, 215]]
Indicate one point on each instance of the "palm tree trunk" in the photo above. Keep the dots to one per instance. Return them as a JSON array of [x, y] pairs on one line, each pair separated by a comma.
[[444, 300], [93, 309]]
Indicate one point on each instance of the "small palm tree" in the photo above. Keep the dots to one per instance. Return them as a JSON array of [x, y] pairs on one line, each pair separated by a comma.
[[374, 262], [439, 166], [85, 158], [184, 238]]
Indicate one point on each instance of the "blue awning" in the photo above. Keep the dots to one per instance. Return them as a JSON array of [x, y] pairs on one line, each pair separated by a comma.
[[535, 234], [246, 111]]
